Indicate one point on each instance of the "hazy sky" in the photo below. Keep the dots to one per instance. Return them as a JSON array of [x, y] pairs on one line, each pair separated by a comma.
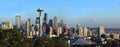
[[89, 13]]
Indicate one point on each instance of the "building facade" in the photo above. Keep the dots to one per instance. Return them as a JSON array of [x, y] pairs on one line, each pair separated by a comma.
[[18, 20]]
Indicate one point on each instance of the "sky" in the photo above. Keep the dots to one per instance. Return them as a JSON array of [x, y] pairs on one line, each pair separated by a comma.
[[87, 13]]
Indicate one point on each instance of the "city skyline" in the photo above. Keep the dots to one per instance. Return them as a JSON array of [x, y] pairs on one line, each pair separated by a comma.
[[86, 13]]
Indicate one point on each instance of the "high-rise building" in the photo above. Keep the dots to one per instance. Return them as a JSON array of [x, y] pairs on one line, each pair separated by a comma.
[[59, 31], [73, 30], [7, 25], [23, 27], [40, 10], [32, 29], [78, 26], [85, 31], [45, 24], [18, 21], [28, 27], [36, 27], [47, 29], [101, 30], [89, 32], [51, 23], [45, 18], [55, 22], [66, 30], [30, 22], [61, 23], [79, 31], [51, 31], [44, 28], [37, 20]]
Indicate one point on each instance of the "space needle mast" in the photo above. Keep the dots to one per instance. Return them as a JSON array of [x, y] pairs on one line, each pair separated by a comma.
[[40, 10]]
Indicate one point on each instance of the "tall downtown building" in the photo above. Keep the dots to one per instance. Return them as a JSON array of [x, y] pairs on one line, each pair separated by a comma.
[[45, 18], [101, 30], [28, 25], [18, 20], [55, 22], [37, 20], [51, 23], [79, 31], [85, 31], [45, 26]]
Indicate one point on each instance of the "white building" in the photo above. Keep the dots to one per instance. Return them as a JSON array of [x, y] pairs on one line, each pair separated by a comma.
[[18, 20], [7, 25]]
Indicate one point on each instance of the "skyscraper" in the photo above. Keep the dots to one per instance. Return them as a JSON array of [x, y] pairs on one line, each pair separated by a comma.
[[30, 23], [51, 31], [40, 10], [28, 27], [32, 29], [51, 22], [55, 22], [85, 31], [37, 26], [18, 21], [59, 31], [61, 23], [79, 31], [37, 20], [66, 29], [45, 23], [45, 18], [101, 31]]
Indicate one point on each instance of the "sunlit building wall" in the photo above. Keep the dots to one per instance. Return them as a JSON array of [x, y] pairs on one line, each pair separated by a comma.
[[101, 31], [59, 31], [85, 31]]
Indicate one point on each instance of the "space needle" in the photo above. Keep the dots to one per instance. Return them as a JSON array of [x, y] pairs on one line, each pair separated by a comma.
[[40, 10]]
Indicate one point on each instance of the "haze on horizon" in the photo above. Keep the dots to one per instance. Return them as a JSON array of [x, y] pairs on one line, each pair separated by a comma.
[[90, 13]]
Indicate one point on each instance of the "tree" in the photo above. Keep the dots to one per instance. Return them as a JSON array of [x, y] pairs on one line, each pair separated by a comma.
[[50, 42], [13, 38]]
